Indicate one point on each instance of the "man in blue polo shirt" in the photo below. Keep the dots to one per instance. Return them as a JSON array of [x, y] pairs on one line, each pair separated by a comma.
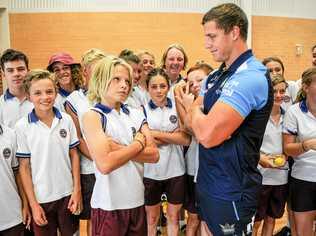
[[237, 102]]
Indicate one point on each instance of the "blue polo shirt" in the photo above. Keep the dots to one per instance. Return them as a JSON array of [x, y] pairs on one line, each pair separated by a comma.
[[229, 170]]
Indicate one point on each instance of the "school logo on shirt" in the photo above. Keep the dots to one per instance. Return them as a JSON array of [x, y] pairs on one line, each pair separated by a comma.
[[173, 119], [286, 98], [6, 153], [134, 131], [63, 133], [228, 229]]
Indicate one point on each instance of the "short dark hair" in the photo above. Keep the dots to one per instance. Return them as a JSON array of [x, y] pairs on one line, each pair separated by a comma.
[[313, 47], [13, 55], [129, 56], [226, 17]]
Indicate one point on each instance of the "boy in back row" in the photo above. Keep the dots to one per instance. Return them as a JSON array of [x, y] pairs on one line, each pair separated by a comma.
[[52, 203], [13, 105]]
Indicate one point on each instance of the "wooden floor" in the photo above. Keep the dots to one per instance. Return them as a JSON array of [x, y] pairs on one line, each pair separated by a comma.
[[279, 224]]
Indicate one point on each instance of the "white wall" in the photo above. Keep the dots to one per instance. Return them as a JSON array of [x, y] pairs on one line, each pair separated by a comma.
[[286, 8], [114, 5]]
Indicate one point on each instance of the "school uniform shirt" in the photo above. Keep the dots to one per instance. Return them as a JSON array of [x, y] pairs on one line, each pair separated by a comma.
[[299, 121], [171, 162], [122, 188], [138, 98], [79, 104], [12, 109], [48, 150], [172, 87], [290, 95], [61, 99], [272, 144], [10, 202], [192, 157]]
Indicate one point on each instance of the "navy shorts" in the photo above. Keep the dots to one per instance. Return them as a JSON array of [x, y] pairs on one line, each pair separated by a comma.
[[87, 184], [225, 217], [302, 195], [190, 200]]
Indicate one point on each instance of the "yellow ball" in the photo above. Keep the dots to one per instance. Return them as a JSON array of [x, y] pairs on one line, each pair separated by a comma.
[[279, 161]]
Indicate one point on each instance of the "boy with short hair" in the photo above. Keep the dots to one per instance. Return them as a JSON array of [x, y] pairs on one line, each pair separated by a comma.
[[14, 103]]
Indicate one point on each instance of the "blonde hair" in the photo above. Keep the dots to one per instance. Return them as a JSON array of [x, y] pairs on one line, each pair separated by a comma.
[[145, 52], [176, 46], [36, 75], [307, 78], [91, 56], [102, 76]]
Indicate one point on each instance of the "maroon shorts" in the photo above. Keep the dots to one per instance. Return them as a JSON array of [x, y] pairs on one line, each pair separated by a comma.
[[190, 201], [131, 222], [17, 230], [173, 188], [58, 216], [87, 184], [272, 199]]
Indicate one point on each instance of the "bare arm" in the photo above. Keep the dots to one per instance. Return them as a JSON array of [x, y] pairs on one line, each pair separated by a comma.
[[180, 107], [294, 149], [215, 127], [75, 199], [178, 137], [100, 147], [26, 214], [185, 101], [150, 153], [82, 146]]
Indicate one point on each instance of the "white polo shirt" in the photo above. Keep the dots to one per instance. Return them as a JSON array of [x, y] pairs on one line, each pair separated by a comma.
[[48, 150], [192, 157], [272, 144], [290, 95], [300, 122], [79, 104], [10, 202], [122, 188], [12, 109], [61, 99], [171, 162], [138, 98]]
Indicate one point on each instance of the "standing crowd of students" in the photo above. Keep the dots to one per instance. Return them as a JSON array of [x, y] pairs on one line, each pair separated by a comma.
[[104, 139]]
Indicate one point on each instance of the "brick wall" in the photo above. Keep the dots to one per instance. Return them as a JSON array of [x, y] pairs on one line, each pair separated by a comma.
[[40, 35], [277, 36]]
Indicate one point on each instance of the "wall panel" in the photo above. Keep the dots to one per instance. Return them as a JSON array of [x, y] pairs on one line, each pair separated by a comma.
[[278, 36], [42, 34]]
